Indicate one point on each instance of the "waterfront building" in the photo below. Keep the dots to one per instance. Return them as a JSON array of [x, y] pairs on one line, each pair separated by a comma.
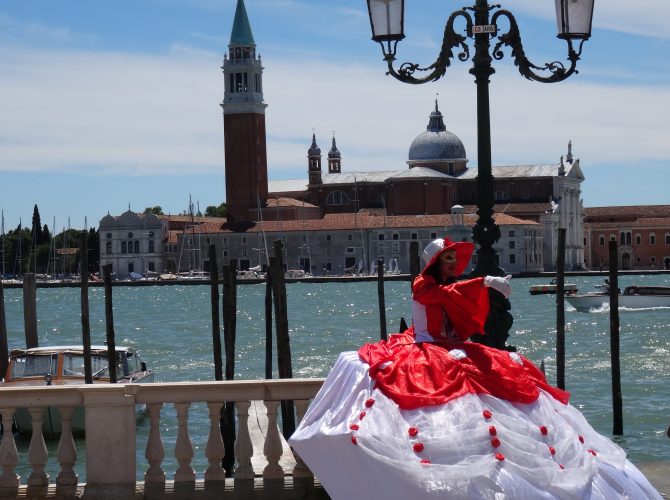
[[436, 177], [132, 243], [642, 233], [338, 244], [337, 220]]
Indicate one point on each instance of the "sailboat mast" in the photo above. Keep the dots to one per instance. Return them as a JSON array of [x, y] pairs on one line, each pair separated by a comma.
[[3, 244]]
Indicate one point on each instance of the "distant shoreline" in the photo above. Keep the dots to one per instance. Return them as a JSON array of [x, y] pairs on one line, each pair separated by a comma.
[[312, 279]]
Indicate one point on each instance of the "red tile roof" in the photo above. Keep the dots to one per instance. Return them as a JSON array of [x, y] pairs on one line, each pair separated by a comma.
[[335, 222]]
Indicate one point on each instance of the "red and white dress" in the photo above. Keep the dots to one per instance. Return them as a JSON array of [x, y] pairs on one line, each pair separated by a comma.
[[428, 415]]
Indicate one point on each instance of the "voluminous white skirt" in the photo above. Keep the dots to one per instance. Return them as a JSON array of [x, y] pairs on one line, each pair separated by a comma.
[[360, 444]]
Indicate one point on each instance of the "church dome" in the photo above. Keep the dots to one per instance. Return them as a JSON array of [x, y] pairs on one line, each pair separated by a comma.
[[436, 143]]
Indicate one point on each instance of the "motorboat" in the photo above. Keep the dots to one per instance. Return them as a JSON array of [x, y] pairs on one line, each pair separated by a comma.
[[64, 365], [633, 297], [551, 287]]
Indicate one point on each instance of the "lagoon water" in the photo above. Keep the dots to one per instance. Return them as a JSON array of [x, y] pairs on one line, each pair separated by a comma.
[[171, 327]]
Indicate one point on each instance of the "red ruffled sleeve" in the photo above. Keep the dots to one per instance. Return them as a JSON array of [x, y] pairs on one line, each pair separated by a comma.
[[465, 302]]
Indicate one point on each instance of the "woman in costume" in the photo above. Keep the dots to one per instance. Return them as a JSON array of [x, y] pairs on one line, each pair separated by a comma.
[[427, 414]]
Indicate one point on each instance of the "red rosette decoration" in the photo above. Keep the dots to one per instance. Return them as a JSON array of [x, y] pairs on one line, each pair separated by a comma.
[[361, 416], [543, 430], [581, 439], [500, 457], [552, 450], [495, 442], [369, 403], [354, 427], [354, 440], [412, 431], [492, 430], [417, 447], [487, 414], [425, 461]]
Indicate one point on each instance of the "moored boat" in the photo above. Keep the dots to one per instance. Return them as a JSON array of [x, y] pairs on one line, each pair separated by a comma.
[[64, 365], [633, 297], [551, 287]]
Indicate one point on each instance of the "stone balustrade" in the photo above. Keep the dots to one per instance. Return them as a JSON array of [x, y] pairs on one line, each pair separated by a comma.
[[111, 440]]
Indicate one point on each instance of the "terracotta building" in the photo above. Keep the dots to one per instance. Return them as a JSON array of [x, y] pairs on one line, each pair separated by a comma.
[[642, 233]]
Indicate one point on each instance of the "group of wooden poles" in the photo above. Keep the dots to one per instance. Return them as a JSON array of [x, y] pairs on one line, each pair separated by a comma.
[[275, 299]]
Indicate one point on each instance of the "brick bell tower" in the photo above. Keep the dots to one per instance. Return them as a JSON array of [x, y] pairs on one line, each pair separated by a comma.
[[244, 123]]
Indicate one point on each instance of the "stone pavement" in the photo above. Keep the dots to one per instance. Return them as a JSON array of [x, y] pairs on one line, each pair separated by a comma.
[[658, 474]]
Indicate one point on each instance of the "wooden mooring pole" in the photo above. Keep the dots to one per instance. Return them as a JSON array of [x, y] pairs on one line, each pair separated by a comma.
[[617, 399], [109, 324], [268, 325], [560, 310], [85, 322], [229, 335], [4, 346], [30, 310], [216, 323], [414, 261], [284, 365], [382, 302]]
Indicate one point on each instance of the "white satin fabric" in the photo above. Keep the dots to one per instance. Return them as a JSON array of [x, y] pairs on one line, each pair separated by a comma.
[[457, 439]]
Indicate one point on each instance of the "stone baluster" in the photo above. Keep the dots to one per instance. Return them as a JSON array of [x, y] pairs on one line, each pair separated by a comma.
[[301, 470], [214, 450], [154, 452], [244, 450], [183, 450], [66, 453], [37, 451], [9, 457], [272, 448]]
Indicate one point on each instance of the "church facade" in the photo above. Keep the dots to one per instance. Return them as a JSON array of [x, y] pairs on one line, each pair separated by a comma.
[[436, 177], [335, 221]]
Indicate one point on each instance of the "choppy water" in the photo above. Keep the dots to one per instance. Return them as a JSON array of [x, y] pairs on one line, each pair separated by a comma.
[[171, 327]]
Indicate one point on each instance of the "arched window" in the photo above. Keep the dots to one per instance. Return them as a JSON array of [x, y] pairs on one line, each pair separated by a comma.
[[109, 247], [337, 198], [137, 247], [151, 246], [130, 247], [123, 247]]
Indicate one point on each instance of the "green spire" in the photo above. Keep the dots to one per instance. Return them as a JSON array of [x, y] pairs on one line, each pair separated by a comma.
[[241, 34]]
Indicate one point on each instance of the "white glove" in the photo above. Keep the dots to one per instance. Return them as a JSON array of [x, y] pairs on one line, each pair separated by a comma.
[[499, 284]]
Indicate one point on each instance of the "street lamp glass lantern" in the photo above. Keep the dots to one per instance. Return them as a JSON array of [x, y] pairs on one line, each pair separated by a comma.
[[574, 18], [387, 19]]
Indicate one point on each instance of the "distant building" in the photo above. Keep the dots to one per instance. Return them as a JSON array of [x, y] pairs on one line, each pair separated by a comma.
[[437, 179], [642, 234], [352, 243], [132, 243]]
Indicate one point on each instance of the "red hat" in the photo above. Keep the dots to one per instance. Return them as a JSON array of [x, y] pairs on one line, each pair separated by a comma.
[[439, 246]]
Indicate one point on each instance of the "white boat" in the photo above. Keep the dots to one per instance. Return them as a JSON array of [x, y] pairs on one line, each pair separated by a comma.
[[64, 365], [633, 297]]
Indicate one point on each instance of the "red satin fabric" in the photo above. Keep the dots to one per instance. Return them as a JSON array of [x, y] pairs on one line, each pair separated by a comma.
[[465, 302], [425, 374]]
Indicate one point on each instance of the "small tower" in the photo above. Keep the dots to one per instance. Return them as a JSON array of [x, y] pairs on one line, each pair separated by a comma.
[[568, 157], [334, 159], [244, 122], [314, 159]]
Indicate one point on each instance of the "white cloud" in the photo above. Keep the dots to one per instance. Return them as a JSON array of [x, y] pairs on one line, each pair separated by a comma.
[[118, 113]]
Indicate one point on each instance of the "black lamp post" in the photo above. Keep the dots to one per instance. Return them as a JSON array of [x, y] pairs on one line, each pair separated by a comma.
[[481, 25]]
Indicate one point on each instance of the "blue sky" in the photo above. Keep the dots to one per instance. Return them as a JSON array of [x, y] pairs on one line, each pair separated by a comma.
[[106, 105]]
